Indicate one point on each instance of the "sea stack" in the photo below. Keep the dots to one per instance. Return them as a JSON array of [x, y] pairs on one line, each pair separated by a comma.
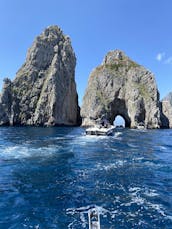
[[119, 86], [43, 92], [167, 110]]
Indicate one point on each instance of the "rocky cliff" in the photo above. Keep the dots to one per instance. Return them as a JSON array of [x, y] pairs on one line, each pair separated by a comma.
[[119, 86], [43, 91], [167, 109]]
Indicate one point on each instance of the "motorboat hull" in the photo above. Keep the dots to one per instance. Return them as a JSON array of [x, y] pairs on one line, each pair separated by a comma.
[[100, 131]]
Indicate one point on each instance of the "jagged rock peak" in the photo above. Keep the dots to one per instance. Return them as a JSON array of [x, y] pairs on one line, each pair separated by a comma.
[[119, 86], [113, 56], [50, 31], [50, 42], [44, 90]]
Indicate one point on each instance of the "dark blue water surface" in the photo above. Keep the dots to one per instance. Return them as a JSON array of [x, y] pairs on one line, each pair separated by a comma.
[[50, 177]]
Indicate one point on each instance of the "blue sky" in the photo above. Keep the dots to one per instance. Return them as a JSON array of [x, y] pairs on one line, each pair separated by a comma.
[[142, 29]]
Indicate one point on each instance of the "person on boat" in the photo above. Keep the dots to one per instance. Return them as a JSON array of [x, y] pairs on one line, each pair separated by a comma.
[[104, 122]]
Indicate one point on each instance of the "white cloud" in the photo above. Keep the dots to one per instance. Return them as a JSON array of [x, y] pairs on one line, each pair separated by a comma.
[[160, 56], [168, 61]]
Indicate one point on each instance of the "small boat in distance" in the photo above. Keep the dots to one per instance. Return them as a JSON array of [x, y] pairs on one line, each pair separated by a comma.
[[102, 127], [100, 131], [94, 218], [141, 126]]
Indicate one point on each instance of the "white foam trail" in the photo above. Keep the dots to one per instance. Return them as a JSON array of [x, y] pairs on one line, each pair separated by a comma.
[[93, 137], [15, 152], [19, 152], [86, 209], [83, 214]]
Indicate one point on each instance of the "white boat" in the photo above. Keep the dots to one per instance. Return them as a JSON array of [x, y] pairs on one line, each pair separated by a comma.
[[94, 218], [98, 130], [141, 126]]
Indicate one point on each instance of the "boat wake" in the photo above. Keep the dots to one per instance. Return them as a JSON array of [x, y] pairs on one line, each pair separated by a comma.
[[21, 152]]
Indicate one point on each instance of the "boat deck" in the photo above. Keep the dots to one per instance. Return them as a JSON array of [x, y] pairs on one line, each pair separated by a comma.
[[100, 130], [94, 219]]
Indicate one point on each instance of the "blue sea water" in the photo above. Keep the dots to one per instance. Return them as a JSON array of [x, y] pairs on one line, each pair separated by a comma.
[[51, 177]]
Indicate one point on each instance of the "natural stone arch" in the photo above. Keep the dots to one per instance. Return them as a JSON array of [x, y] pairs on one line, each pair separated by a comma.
[[119, 121], [127, 123], [119, 86], [118, 107]]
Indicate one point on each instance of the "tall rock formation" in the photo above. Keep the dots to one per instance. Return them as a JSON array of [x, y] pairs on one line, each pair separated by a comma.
[[119, 86], [167, 110], [44, 90]]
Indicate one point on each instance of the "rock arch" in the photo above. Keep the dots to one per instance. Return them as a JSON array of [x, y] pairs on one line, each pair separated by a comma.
[[118, 107], [119, 121], [119, 86]]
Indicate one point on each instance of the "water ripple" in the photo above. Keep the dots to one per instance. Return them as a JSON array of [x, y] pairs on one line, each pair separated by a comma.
[[51, 177]]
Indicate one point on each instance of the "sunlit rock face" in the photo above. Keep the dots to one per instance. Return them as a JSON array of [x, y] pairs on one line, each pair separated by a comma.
[[43, 91], [119, 86], [167, 110]]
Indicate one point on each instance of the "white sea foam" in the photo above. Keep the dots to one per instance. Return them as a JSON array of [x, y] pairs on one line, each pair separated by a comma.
[[86, 209], [151, 193], [111, 166], [19, 152], [159, 208], [137, 159], [82, 213], [86, 139], [162, 148], [137, 200], [132, 145], [70, 226], [58, 138], [114, 150], [15, 152], [94, 137], [134, 189], [106, 167], [135, 196], [138, 194], [143, 191], [117, 134]]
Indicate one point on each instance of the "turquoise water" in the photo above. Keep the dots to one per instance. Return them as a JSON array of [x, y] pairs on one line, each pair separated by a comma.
[[51, 177]]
